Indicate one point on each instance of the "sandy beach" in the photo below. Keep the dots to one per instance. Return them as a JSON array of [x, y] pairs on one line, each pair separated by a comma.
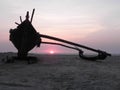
[[60, 72]]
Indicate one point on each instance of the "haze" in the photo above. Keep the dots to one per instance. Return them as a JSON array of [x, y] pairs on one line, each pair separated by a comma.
[[94, 23]]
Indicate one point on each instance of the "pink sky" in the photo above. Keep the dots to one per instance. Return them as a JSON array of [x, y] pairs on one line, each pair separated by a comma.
[[93, 23]]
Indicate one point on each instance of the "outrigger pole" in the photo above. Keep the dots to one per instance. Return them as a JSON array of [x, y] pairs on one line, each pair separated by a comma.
[[101, 54], [60, 45], [71, 43]]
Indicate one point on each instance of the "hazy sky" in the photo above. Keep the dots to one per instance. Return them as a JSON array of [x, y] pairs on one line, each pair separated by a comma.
[[94, 23]]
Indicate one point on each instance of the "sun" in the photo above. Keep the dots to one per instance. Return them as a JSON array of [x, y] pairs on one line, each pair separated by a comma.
[[52, 52]]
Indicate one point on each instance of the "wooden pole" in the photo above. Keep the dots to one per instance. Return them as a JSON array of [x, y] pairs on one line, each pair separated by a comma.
[[71, 43], [61, 45], [32, 15], [20, 19]]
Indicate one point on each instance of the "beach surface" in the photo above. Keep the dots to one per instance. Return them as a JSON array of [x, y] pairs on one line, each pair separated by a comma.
[[60, 72]]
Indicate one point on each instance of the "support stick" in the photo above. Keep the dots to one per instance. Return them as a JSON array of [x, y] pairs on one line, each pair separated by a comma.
[[17, 23], [20, 19], [32, 15]]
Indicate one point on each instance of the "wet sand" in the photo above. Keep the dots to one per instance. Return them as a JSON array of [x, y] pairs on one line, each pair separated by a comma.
[[60, 72]]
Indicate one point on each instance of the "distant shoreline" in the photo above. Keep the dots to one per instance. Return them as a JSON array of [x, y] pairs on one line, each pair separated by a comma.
[[15, 53]]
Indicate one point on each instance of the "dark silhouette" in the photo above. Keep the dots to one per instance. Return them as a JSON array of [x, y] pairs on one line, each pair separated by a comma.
[[25, 38], [100, 56]]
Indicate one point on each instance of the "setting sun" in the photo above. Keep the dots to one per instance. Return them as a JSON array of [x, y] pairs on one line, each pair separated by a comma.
[[52, 52]]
